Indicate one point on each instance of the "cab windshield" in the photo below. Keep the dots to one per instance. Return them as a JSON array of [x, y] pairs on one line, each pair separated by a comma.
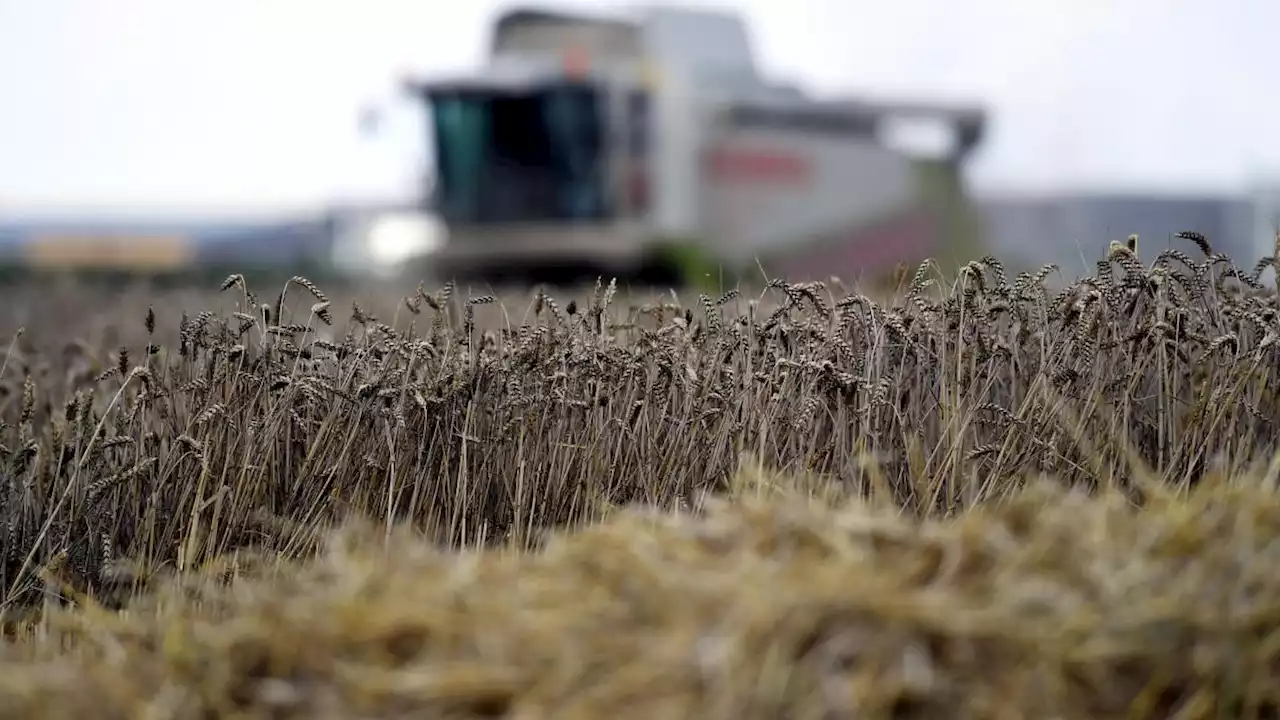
[[518, 156]]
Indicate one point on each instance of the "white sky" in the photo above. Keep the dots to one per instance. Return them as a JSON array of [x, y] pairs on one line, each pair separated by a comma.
[[157, 103]]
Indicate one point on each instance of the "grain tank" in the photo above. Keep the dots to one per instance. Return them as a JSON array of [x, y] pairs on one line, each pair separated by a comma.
[[650, 146]]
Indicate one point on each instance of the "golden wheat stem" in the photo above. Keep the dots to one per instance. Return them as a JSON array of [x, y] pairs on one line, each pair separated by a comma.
[[5, 365], [75, 480]]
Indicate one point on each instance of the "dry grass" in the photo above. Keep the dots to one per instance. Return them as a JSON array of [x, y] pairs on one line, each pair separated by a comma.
[[989, 499]]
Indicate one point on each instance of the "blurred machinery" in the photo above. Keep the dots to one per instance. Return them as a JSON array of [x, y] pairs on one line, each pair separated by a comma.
[[644, 147], [651, 147]]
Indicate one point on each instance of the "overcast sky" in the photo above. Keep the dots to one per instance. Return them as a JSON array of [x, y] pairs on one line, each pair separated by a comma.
[[195, 103]]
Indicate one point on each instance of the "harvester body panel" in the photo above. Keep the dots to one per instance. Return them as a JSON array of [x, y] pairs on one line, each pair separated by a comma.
[[602, 143]]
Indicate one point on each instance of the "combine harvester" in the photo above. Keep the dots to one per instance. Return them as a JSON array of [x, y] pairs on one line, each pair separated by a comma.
[[646, 148], [651, 148]]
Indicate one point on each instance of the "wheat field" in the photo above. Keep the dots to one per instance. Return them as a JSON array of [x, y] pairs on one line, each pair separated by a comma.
[[969, 498]]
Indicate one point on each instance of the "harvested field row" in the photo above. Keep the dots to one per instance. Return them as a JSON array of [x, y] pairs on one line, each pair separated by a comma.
[[1050, 605], [982, 499]]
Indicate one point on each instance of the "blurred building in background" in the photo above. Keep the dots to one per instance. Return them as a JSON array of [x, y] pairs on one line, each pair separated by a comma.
[[1074, 230]]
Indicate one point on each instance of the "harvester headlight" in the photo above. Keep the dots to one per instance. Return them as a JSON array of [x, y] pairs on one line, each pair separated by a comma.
[[395, 238], [920, 137]]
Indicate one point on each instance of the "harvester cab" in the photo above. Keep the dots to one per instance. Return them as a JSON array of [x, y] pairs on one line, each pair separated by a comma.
[[650, 148]]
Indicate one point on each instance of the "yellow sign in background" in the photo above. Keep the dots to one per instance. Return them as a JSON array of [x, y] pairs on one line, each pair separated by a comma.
[[110, 252]]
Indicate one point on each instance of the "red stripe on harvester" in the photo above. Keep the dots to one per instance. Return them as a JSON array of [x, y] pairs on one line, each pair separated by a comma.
[[756, 165]]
